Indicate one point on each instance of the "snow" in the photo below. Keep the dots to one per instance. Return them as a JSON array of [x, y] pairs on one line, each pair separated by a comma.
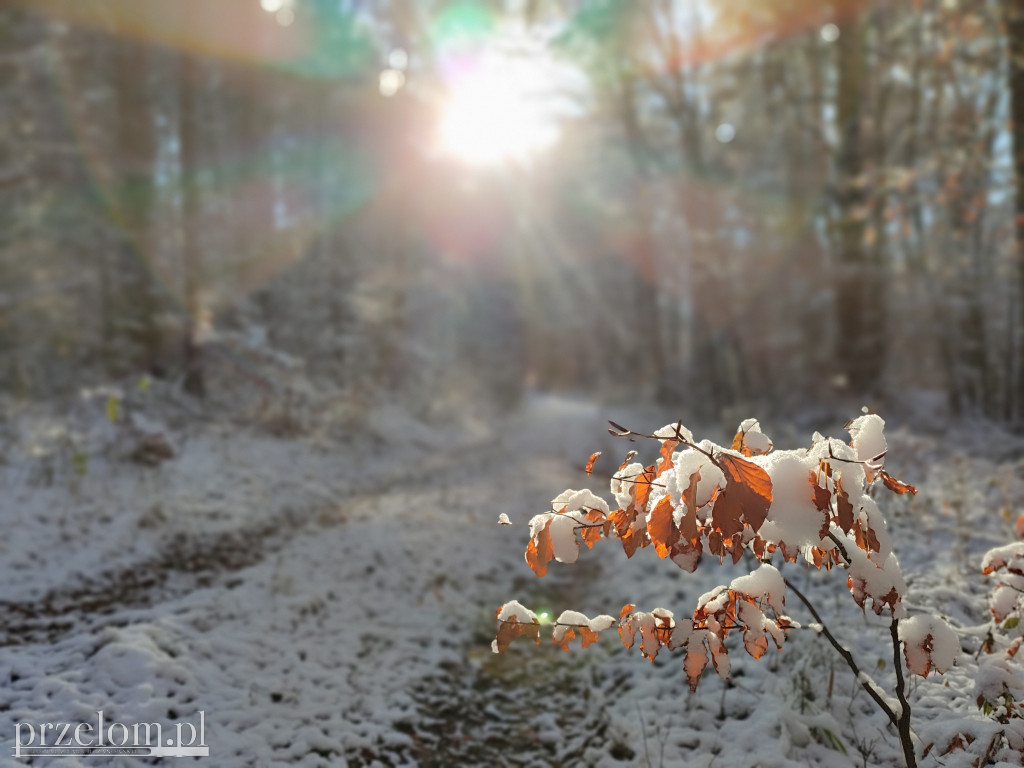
[[792, 517], [766, 581], [753, 438], [571, 501], [329, 598], [673, 432], [623, 485], [515, 610], [563, 538], [868, 436], [685, 463], [1007, 556], [928, 642]]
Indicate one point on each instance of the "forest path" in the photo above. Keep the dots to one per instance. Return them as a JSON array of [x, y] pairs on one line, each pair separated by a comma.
[[358, 628], [340, 610]]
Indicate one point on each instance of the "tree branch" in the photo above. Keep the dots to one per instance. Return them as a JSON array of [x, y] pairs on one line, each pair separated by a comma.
[[847, 656], [903, 726]]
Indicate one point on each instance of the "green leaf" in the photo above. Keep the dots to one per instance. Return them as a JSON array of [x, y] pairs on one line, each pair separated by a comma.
[[880, 664], [1011, 622]]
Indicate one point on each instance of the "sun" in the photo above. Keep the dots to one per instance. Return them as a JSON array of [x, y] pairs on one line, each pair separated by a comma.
[[500, 108]]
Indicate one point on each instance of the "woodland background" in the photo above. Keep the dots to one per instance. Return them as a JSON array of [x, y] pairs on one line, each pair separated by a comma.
[[183, 183]]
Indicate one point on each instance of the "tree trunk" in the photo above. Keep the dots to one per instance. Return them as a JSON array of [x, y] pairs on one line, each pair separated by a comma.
[[860, 287], [1014, 15], [137, 289], [191, 257]]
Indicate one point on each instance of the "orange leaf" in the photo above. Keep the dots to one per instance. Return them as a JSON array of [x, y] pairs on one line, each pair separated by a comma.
[[566, 637], [746, 497], [587, 636], [822, 498], [510, 629], [737, 548], [539, 552], [866, 539], [694, 663], [716, 544], [756, 646], [665, 463], [591, 533], [688, 525], [844, 509], [634, 539], [896, 486], [686, 555], [626, 610], [643, 486], [590, 462], [662, 528], [625, 461]]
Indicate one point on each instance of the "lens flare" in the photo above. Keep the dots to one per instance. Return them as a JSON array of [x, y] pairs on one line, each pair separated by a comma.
[[500, 108]]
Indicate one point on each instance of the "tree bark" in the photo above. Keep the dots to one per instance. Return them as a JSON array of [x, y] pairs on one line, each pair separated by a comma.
[[1014, 15], [860, 287], [191, 87]]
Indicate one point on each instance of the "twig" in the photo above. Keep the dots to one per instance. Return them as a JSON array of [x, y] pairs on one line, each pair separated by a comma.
[[903, 726], [847, 656], [840, 547]]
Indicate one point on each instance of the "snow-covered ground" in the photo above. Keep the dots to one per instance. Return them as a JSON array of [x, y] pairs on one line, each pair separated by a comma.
[[328, 597]]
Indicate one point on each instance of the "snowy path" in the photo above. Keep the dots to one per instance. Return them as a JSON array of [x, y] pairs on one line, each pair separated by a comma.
[[305, 634], [347, 618]]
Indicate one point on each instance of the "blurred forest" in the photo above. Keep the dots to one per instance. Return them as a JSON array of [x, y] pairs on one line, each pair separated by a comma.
[[738, 205]]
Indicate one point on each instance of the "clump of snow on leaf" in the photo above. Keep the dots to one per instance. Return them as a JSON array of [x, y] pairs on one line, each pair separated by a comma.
[[766, 581], [674, 432], [792, 517], [868, 437], [751, 440], [515, 609], [623, 481], [928, 643], [571, 501]]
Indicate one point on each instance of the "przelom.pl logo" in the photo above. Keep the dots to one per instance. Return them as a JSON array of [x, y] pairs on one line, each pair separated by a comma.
[[106, 740]]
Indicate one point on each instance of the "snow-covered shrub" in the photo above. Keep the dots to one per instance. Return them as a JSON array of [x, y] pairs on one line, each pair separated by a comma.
[[700, 498], [999, 685]]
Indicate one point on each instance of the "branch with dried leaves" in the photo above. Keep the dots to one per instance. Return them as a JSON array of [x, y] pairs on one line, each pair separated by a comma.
[[695, 498]]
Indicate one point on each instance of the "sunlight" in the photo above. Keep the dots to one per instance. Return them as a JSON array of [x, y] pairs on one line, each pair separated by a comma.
[[501, 108]]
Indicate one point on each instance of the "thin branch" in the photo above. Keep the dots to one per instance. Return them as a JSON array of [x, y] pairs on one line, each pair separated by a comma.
[[840, 547], [903, 726], [847, 656]]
